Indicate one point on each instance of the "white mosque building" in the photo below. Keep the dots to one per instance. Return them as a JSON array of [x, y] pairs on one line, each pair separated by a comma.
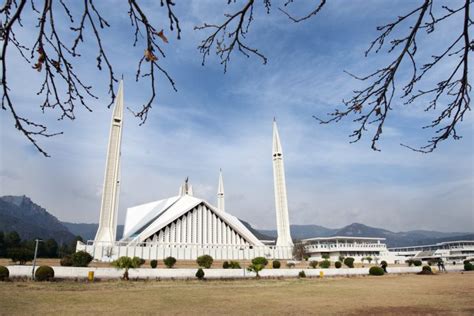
[[182, 226]]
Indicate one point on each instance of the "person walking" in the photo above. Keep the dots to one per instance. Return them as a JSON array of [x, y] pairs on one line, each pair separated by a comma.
[[441, 263]]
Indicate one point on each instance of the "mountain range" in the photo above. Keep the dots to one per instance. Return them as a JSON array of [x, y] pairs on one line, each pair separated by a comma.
[[19, 213]]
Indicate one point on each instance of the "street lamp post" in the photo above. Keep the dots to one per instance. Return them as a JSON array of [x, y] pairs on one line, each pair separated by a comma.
[[34, 258]]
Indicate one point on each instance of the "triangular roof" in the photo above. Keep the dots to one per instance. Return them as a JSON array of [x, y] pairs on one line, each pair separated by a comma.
[[144, 220]]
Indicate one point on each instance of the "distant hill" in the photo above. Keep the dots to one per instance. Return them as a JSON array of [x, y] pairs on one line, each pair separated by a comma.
[[20, 214], [304, 231], [30, 220], [259, 234], [88, 231], [399, 239]]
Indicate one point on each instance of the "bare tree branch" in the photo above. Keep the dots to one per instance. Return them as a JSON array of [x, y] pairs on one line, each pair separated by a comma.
[[61, 88], [230, 34], [373, 103]]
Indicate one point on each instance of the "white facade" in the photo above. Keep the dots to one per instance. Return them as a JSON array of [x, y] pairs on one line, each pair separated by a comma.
[[450, 251], [356, 247], [110, 195], [182, 226], [281, 201]]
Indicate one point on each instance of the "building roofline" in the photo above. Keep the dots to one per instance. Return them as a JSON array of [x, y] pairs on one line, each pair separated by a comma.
[[343, 237], [431, 245]]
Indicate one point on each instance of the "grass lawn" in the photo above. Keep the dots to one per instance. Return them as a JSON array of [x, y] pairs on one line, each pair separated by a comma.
[[441, 294]]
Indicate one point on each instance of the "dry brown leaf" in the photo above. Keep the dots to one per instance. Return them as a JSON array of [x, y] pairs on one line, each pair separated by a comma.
[[149, 56], [38, 66], [162, 36]]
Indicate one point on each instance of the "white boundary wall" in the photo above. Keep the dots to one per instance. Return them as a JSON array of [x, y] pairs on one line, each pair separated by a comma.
[[142, 273], [149, 251]]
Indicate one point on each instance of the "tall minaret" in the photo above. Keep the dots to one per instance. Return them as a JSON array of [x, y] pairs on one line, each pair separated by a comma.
[[110, 195], [281, 203], [220, 193]]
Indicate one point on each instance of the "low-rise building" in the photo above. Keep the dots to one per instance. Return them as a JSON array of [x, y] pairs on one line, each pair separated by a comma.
[[450, 251], [358, 248]]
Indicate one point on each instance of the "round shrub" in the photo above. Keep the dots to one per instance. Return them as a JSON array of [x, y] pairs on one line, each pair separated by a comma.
[[81, 259], [260, 260], [205, 261], [225, 265], [44, 273], [66, 261], [426, 269], [169, 262], [417, 263], [4, 273], [301, 274], [383, 263], [313, 264], [338, 264], [234, 265], [200, 274], [376, 271], [349, 262], [409, 262], [153, 264], [325, 264], [468, 266], [276, 264]]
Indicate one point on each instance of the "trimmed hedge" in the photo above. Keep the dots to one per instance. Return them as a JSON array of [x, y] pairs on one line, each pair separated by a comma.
[[81, 259], [426, 269], [325, 264], [153, 264], [376, 270], [276, 264], [169, 262], [205, 261], [66, 261], [417, 263], [4, 273], [468, 266], [200, 274], [349, 262], [338, 264], [230, 265], [313, 264], [44, 273], [301, 274]]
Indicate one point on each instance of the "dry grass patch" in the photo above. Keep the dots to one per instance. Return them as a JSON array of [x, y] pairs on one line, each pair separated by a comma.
[[392, 294]]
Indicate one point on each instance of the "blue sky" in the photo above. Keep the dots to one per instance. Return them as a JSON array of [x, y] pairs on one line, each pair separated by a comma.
[[218, 120]]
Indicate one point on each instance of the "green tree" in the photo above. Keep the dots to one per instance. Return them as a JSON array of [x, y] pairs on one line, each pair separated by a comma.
[[51, 248], [260, 260], [256, 268], [12, 240], [3, 248], [20, 255], [127, 263]]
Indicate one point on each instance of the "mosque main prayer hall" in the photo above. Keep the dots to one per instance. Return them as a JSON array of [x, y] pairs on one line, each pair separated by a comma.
[[183, 226]]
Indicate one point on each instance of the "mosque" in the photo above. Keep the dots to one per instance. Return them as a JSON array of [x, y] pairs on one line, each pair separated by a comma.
[[183, 226]]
